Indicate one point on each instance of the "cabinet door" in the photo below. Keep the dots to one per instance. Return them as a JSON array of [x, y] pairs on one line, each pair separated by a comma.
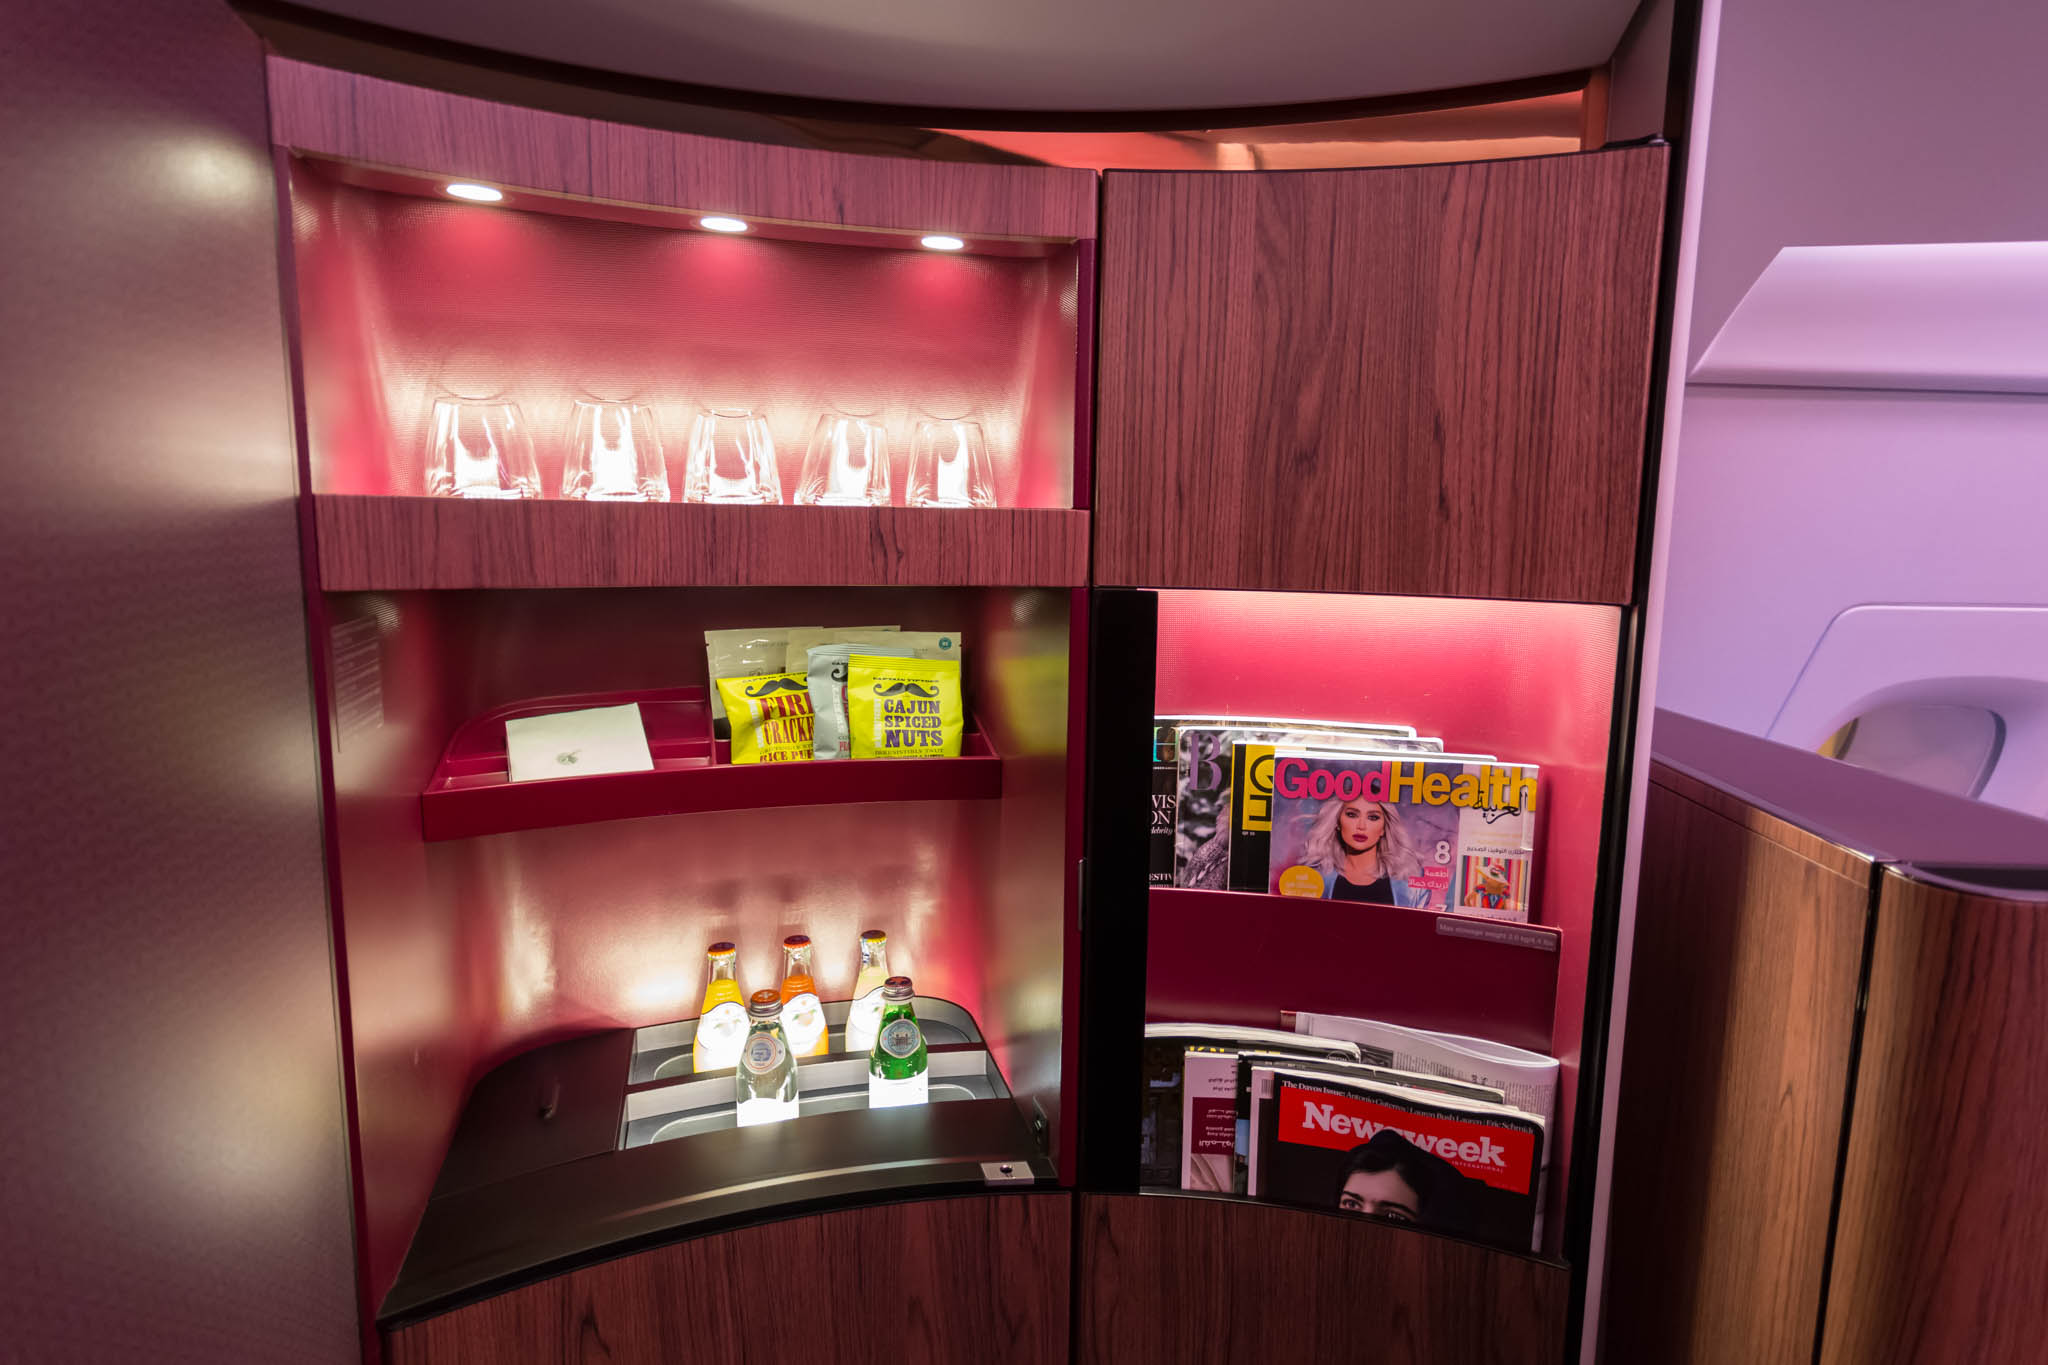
[[931, 1282], [1427, 379], [1186, 1281]]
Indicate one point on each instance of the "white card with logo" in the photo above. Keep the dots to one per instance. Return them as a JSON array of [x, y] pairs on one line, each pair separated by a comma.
[[603, 739]]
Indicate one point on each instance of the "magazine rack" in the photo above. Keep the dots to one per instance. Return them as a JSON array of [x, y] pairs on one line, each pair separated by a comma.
[[1370, 445]]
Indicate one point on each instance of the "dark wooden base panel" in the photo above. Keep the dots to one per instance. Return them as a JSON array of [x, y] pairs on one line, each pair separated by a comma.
[[982, 1278], [1189, 1281]]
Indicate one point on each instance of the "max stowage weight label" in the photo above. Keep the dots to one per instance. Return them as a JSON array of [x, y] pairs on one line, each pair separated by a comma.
[[900, 1037], [764, 1052]]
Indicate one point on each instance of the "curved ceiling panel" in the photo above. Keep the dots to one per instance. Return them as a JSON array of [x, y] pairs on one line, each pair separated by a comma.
[[1065, 55]]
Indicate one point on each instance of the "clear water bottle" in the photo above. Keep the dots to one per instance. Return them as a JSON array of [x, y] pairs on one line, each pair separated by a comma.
[[765, 1080]]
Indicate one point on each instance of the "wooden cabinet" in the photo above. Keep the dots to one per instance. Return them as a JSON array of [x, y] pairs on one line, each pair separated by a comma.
[[1834, 1078], [1184, 1281], [1423, 379], [1941, 1242], [1746, 967], [981, 1278]]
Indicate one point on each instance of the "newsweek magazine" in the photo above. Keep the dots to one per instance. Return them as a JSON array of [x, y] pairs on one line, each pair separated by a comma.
[[1461, 1167], [1161, 1064], [1202, 777], [1528, 1079], [1445, 834], [1241, 1100]]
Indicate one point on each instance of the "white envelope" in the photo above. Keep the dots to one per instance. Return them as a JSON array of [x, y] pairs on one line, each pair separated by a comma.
[[603, 739]]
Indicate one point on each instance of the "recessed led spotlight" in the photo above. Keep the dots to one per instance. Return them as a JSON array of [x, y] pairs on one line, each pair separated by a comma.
[[718, 224], [476, 194], [939, 241]]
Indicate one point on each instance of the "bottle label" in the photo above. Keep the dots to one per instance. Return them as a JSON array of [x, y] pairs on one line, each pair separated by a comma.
[[884, 1093], [764, 1052], [862, 1019], [900, 1037], [719, 1034], [803, 1019]]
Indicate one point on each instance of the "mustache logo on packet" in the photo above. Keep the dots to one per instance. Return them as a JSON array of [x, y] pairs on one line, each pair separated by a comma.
[[783, 683], [902, 688]]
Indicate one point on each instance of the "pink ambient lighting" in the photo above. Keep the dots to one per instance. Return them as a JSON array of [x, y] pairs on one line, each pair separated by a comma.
[[476, 194], [939, 241], [721, 224]]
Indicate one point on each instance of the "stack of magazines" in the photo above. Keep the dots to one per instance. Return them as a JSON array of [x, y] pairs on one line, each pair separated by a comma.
[[1341, 811], [1438, 1130]]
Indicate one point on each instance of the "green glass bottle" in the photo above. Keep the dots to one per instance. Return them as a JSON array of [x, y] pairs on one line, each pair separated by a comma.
[[897, 1067]]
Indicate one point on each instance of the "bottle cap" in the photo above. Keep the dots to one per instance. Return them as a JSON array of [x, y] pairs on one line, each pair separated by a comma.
[[721, 950], [873, 936], [764, 1005], [897, 988], [797, 941]]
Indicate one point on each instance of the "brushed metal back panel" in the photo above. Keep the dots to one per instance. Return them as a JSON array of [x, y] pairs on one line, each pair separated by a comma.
[[173, 1161]]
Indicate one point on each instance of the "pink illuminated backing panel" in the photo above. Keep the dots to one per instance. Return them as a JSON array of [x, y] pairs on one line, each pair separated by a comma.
[[405, 299], [465, 952], [1531, 681]]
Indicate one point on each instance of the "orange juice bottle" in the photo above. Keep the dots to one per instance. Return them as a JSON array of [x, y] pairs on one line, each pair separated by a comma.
[[803, 1014], [722, 1023]]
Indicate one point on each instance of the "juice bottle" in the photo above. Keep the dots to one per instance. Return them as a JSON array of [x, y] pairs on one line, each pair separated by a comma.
[[803, 1015], [864, 1015], [722, 1023]]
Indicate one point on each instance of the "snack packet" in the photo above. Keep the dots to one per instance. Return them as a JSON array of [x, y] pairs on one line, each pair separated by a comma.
[[827, 671], [904, 708], [803, 640], [741, 654], [930, 644], [770, 714]]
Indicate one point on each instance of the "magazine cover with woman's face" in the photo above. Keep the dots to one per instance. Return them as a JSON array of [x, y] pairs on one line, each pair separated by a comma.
[[1398, 829]]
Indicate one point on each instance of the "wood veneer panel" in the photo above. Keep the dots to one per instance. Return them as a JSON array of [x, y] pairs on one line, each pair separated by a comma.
[[1187, 1281], [1741, 1016], [361, 118], [390, 543], [1404, 380], [945, 1280], [1942, 1245]]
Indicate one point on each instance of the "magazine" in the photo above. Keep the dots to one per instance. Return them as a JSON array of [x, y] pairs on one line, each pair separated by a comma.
[[1253, 768], [1462, 1167], [1202, 780], [1241, 1144], [1449, 833], [1208, 1120], [1527, 1079], [1161, 1064]]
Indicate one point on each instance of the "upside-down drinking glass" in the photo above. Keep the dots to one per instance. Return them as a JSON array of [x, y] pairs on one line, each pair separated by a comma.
[[949, 466], [615, 454], [732, 459], [847, 463], [480, 450]]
